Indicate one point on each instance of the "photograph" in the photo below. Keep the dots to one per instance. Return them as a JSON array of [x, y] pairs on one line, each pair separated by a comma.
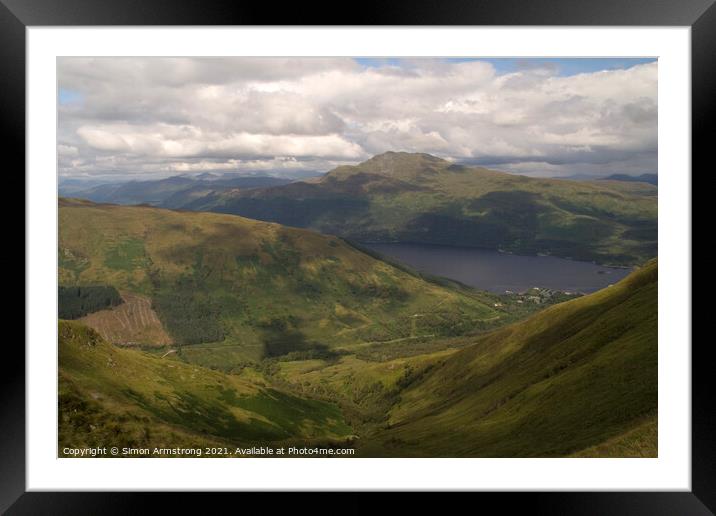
[[357, 257]]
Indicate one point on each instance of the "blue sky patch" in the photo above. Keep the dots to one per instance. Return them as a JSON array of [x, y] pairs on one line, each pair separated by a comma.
[[66, 96], [562, 66]]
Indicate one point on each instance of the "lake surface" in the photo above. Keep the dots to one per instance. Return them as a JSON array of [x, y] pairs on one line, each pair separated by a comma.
[[498, 272]]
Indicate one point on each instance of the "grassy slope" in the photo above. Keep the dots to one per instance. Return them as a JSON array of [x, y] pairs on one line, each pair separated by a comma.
[[420, 198], [641, 441], [130, 398], [364, 384], [573, 376], [251, 284]]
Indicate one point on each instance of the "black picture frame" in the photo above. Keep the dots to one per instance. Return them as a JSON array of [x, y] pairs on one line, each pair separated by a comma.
[[17, 15]]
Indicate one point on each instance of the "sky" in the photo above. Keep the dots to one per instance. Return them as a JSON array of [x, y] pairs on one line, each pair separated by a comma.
[[145, 118]]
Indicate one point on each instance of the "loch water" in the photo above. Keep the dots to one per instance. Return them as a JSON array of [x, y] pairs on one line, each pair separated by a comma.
[[499, 272]]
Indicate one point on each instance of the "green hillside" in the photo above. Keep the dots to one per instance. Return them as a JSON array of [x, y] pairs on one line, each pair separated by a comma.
[[124, 397], [263, 333], [640, 441], [229, 290], [579, 374], [420, 198]]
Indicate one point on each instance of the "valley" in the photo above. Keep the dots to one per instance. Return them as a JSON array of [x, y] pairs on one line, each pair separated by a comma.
[[232, 331]]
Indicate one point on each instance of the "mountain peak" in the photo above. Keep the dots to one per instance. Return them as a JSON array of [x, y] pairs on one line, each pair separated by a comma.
[[393, 158], [405, 166]]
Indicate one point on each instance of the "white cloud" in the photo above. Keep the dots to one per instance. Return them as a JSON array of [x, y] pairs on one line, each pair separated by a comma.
[[167, 141], [67, 150], [156, 113]]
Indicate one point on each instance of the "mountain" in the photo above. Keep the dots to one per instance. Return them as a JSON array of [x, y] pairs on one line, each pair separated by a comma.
[[133, 399], [68, 186], [424, 199], [171, 192], [208, 186], [578, 378], [228, 290], [652, 179]]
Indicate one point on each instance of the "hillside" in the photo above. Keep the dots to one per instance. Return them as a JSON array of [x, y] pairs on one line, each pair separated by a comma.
[[424, 199], [228, 290], [323, 341], [577, 378], [128, 398]]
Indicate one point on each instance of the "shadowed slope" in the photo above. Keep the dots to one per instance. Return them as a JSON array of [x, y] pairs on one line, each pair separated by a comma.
[[573, 376]]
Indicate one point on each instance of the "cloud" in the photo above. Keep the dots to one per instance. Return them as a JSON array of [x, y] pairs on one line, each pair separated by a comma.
[[168, 141], [67, 150], [159, 115]]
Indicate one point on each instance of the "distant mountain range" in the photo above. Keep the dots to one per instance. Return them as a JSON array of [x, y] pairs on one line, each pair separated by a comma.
[[172, 192], [652, 179], [403, 197], [643, 178]]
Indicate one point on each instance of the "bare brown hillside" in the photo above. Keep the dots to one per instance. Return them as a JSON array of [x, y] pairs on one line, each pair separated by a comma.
[[134, 322]]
